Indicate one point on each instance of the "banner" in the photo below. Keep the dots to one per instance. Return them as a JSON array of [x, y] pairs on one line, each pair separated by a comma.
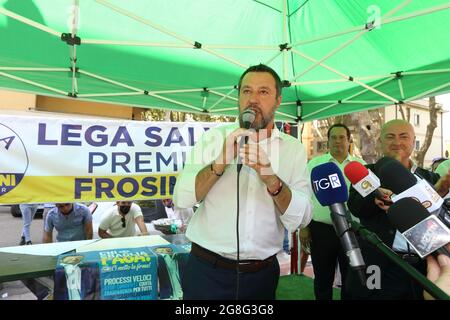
[[64, 160], [125, 274]]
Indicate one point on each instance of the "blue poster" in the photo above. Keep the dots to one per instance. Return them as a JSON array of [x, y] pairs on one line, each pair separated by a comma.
[[125, 274], [172, 260]]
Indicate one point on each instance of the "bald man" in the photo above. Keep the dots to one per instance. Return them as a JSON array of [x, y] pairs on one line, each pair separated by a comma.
[[397, 141]]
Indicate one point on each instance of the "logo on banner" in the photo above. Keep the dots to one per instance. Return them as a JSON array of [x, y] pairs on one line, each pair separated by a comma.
[[13, 159]]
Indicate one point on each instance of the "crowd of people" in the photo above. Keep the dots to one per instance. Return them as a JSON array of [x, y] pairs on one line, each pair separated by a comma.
[[235, 240]]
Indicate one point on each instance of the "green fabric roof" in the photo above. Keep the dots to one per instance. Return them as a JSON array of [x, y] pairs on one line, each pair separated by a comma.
[[234, 34]]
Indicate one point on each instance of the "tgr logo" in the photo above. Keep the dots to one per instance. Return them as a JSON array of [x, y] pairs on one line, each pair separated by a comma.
[[13, 159], [324, 183]]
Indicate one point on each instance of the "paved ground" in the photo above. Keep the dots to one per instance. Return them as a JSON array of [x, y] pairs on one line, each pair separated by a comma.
[[11, 229]]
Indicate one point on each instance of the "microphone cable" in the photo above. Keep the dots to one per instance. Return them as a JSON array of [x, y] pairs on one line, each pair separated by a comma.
[[237, 235]]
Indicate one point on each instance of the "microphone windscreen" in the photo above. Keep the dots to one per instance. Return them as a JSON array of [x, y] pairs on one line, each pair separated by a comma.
[[355, 172], [395, 177], [248, 117], [406, 213], [381, 162], [328, 184], [443, 168]]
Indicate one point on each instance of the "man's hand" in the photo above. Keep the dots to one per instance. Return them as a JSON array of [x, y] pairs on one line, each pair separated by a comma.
[[230, 147], [438, 272], [305, 236], [443, 185], [254, 156], [387, 195]]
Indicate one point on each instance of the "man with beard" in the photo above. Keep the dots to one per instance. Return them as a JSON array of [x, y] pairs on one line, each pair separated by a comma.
[[73, 221], [274, 193], [121, 221]]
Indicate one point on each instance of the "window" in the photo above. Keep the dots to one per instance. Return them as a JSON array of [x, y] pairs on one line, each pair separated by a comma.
[[417, 145], [416, 119]]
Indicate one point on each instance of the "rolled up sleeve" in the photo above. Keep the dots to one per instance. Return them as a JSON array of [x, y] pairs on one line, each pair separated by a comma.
[[299, 212]]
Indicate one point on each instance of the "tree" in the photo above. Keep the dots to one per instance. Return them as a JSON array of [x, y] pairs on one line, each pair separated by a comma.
[[434, 109], [365, 127]]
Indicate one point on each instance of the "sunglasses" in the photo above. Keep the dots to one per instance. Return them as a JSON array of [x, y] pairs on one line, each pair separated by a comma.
[[123, 222]]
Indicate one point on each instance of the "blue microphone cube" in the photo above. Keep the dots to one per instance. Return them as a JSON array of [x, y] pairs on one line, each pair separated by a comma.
[[328, 184]]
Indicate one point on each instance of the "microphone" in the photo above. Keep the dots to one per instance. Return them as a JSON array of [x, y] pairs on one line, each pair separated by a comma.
[[443, 168], [424, 232], [330, 189], [246, 119], [403, 183], [363, 180]]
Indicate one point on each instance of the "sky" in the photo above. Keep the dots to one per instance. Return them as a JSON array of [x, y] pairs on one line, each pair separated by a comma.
[[445, 101]]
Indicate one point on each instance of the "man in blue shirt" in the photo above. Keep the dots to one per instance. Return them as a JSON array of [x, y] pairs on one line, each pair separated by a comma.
[[73, 221]]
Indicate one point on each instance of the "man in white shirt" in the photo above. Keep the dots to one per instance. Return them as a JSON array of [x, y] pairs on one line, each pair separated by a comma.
[[274, 193], [121, 221], [326, 249]]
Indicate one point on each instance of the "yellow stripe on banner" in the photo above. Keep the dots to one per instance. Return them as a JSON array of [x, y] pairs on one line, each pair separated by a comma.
[[44, 189]]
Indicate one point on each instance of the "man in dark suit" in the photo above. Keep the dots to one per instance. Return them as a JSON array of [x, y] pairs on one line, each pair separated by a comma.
[[76, 280], [397, 141]]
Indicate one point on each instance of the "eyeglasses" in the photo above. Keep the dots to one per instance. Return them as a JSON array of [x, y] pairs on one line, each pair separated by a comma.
[[123, 222]]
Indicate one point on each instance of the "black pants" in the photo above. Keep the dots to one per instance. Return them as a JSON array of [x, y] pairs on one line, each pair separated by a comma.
[[203, 281], [326, 252], [395, 284]]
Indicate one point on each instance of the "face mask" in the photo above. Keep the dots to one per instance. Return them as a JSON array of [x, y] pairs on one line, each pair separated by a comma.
[[124, 209]]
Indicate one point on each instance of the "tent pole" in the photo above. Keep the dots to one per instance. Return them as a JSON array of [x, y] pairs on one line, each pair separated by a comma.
[[135, 43], [340, 73], [220, 100], [400, 87], [32, 83], [34, 69], [286, 115], [347, 43], [362, 27], [285, 40], [223, 95], [268, 62], [412, 73], [374, 86], [428, 92], [194, 44], [346, 99], [376, 91], [109, 81], [29, 22], [117, 94], [177, 91], [330, 54]]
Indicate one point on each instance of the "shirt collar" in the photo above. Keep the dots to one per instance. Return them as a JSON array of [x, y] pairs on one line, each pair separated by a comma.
[[331, 158]]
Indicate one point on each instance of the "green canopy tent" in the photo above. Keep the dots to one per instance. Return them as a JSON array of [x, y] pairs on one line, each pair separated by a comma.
[[335, 57]]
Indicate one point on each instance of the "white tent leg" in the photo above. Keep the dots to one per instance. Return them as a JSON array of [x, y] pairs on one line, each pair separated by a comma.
[[7, 75]]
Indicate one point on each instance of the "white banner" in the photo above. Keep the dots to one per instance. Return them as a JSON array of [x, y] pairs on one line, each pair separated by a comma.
[[46, 159]]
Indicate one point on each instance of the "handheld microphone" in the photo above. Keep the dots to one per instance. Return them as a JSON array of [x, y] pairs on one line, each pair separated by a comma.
[[443, 168], [246, 120], [330, 190], [363, 180], [424, 232], [403, 183]]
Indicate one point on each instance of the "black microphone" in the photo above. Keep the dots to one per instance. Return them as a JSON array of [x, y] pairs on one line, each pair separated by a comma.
[[423, 231], [330, 189], [246, 120], [394, 176]]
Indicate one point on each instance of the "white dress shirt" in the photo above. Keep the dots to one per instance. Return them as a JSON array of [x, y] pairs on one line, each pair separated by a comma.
[[261, 225]]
